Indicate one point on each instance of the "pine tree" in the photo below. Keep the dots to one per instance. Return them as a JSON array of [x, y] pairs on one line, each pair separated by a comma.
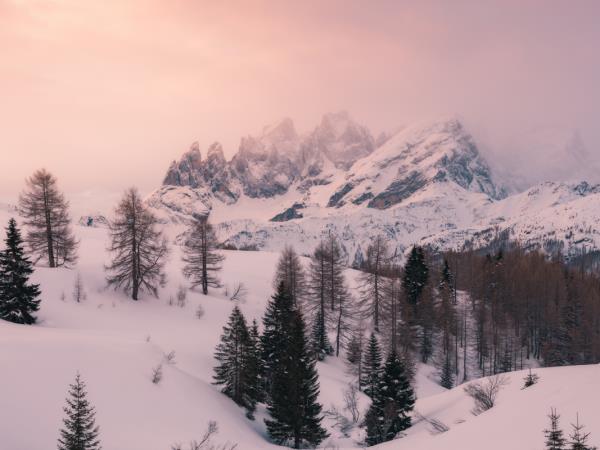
[[371, 373], [18, 298], [530, 379], [447, 374], [202, 262], [554, 435], [80, 431], [290, 272], [46, 214], [578, 438], [319, 340], [375, 267], [392, 404], [416, 274], [277, 318], [254, 365], [354, 354], [236, 368], [295, 413], [139, 249]]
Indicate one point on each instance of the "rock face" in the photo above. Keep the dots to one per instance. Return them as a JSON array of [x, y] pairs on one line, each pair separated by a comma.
[[267, 165]]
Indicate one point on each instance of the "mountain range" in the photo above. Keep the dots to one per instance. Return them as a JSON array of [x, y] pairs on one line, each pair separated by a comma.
[[427, 183]]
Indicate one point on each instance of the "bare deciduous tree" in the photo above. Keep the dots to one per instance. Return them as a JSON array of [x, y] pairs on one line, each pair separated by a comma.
[[139, 250], [46, 214], [205, 443], [290, 272], [79, 294], [202, 262], [372, 280], [484, 393]]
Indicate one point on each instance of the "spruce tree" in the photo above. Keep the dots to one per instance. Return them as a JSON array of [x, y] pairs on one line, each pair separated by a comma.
[[354, 355], [319, 340], [392, 404], [295, 413], [18, 298], [447, 374], [291, 273], [254, 365], [371, 371], [416, 275], [80, 431], [277, 318], [554, 435], [236, 368], [578, 438]]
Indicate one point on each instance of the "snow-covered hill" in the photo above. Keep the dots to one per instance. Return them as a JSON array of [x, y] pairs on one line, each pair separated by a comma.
[[115, 343], [427, 183]]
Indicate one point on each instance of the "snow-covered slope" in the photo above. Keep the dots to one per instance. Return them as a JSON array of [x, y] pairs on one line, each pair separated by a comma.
[[427, 184], [115, 343]]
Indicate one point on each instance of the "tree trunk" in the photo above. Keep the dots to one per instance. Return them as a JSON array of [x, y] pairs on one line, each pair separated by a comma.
[[51, 261]]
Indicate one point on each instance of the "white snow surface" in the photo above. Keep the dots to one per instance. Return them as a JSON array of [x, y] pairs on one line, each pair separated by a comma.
[[115, 343]]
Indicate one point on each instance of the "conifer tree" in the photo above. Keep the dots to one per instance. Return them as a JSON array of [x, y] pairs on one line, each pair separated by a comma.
[[554, 435], [319, 340], [254, 365], [392, 404], [18, 298], [371, 373], [291, 273], [277, 319], [578, 439], [236, 370], [295, 413], [80, 431], [447, 374], [354, 354], [139, 250], [46, 214], [416, 275], [202, 262]]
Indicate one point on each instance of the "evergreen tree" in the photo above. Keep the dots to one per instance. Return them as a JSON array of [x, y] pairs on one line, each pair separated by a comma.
[[416, 274], [447, 374], [554, 435], [255, 369], [578, 438], [295, 413], [392, 404], [319, 339], [18, 298], [276, 320], [371, 373], [46, 214], [354, 355], [236, 370], [202, 262], [80, 431]]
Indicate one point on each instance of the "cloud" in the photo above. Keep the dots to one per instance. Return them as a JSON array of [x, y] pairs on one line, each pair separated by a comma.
[[105, 94]]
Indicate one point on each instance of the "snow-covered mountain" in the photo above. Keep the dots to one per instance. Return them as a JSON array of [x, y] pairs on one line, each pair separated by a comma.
[[427, 183]]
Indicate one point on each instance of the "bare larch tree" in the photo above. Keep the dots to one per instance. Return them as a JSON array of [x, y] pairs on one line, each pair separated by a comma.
[[139, 249], [46, 215], [290, 272], [376, 266], [202, 262]]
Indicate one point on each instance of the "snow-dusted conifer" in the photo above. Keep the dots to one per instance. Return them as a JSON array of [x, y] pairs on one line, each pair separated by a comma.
[[291, 273], [371, 367], [80, 431], [18, 298]]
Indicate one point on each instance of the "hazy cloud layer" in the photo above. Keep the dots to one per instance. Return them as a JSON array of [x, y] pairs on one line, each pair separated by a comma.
[[106, 93]]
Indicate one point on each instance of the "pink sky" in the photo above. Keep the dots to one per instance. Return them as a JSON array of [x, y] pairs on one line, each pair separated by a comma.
[[106, 93]]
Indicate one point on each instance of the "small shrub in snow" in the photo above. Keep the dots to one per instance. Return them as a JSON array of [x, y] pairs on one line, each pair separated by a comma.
[[239, 293], [484, 393], [79, 294], [170, 357], [199, 312], [351, 403], [181, 296], [205, 443], [157, 374], [530, 379]]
